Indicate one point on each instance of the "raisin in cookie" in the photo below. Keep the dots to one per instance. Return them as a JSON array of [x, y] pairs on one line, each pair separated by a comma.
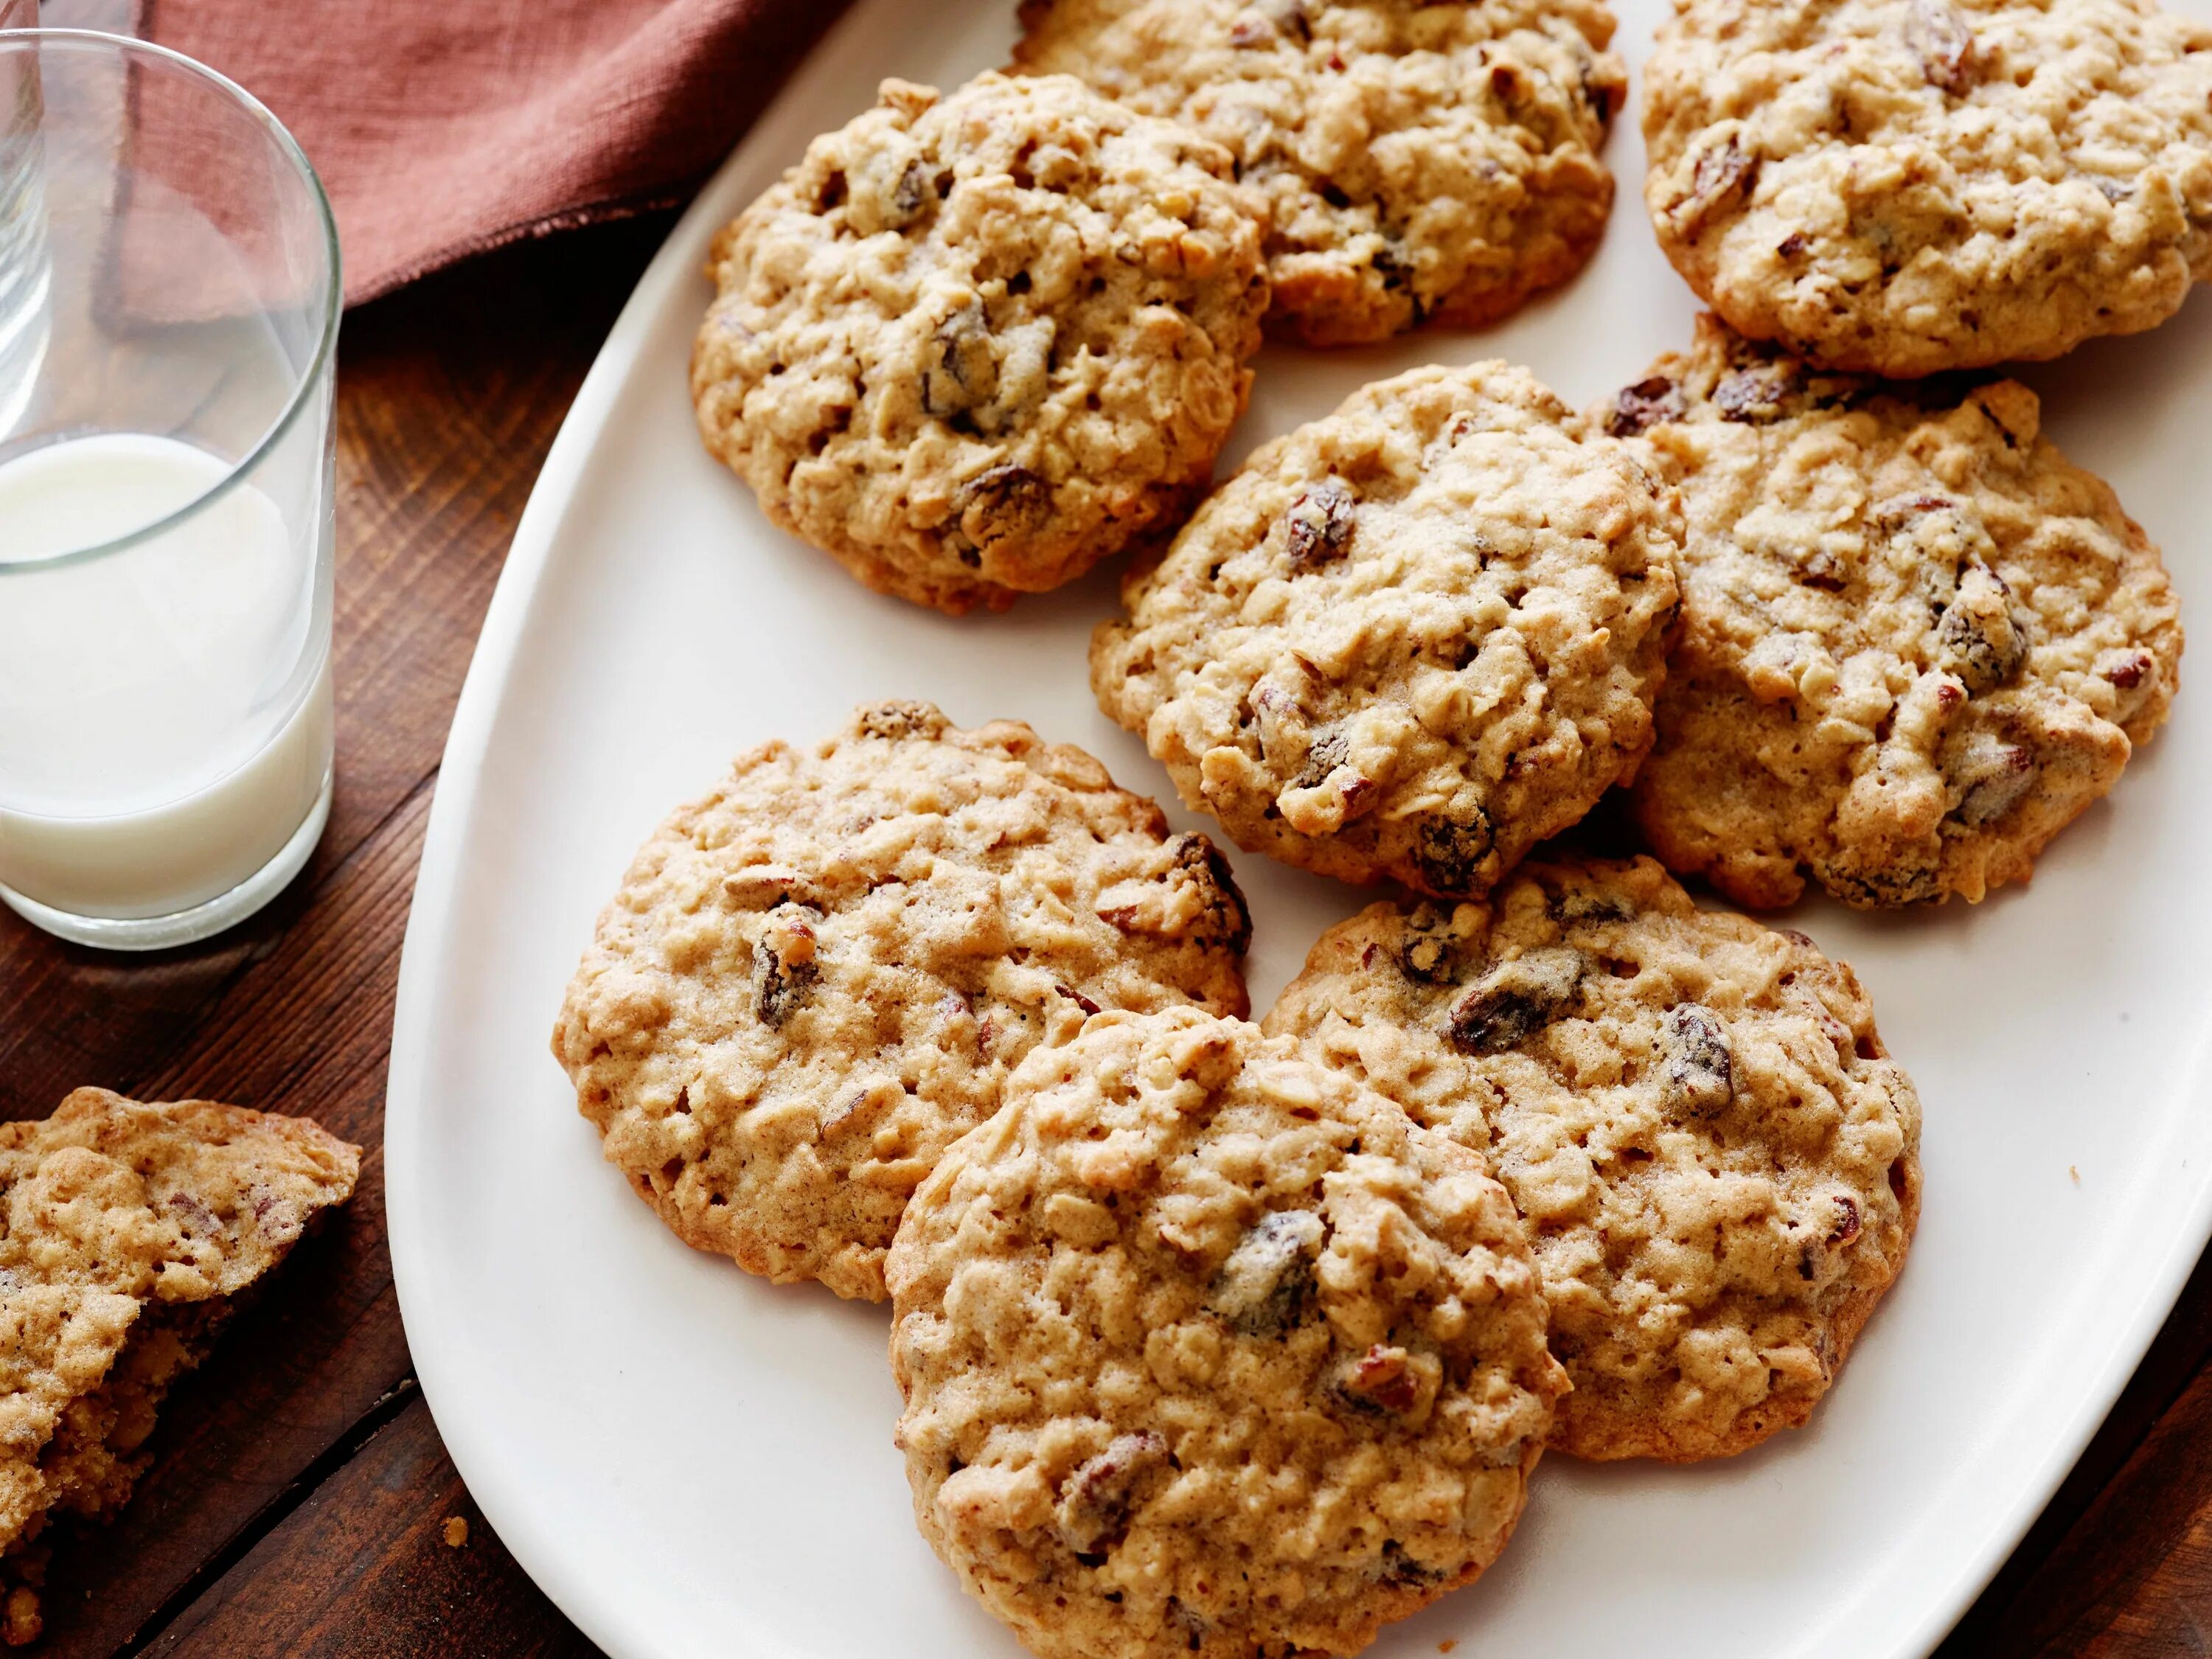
[[1206, 1349], [1717, 1160], [1411, 639], [1918, 642], [1417, 159], [972, 344], [129, 1230], [1901, 187], [818, 976]]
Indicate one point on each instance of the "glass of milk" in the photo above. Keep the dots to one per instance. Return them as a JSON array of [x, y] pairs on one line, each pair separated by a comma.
[[169, 301]]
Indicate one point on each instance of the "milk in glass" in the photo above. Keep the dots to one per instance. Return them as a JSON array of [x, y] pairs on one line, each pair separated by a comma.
[[160, 738]]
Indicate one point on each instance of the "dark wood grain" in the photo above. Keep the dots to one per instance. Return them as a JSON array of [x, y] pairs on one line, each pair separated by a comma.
[[449, 395], [297, 1504], [364, 1570]]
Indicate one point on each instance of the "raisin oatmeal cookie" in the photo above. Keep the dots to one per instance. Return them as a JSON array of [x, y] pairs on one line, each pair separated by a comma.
[[816, 978], [1918, 642], [131, 1229], [972, 344], [1715, 1158], [1411, 639], [1418, 161], [1902, 186], [1206, 1349]]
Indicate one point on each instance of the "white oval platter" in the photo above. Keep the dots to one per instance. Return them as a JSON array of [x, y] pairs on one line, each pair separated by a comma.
[[694, 1463]]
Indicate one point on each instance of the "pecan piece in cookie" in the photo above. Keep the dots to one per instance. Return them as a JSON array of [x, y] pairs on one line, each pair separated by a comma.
[[1756, 393], [1945, 43], [1388, 1379], [1095, 1501], [1990, 776], [1000, 504], [1978, 639], [1847, 1221], [1265, 1287], [1723, 174], [964, 368], [788, 971], [1318, 527]]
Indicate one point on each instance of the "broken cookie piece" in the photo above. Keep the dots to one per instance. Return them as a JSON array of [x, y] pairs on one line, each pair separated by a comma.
[[130, 1231]]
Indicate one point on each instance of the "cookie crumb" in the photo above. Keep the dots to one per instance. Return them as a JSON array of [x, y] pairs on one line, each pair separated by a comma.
[[457, 1532], [2072, 1170], [20, 1622]]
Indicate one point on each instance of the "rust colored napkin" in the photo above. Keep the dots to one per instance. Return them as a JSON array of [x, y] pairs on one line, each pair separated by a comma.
[[445, 127]]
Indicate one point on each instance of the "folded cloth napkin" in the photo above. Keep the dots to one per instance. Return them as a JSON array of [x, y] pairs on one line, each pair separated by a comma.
[[444, 127]]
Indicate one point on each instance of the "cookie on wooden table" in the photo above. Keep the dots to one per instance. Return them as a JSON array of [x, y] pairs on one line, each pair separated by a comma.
[[1717, 1160], [1916, 641], [974, 344], [1411, 639], [818, 976], [1418, 161], [129, 1230], [1903, 186], [1206, 1349]]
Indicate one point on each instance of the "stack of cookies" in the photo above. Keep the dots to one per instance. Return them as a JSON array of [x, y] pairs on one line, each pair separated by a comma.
[[1240, 1338]]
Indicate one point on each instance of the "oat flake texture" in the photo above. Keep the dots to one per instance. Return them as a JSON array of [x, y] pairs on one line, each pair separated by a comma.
[[129, 1230], [817, 976], [1904, 186], [1409, 640], [1716, 1159], [1208, 1350], [1917, 642], [1418, 161], [972, 344]]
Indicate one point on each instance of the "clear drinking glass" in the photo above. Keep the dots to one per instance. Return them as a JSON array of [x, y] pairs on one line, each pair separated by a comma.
[[170, 300]]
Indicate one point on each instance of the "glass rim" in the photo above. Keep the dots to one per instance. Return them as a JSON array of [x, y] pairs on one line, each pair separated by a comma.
[[124, 47]]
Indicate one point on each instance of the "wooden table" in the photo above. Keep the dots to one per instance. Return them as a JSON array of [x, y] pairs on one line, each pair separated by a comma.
[[299, 1502]]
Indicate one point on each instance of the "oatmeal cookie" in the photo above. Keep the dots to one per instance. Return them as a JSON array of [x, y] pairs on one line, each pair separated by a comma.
[[972, 344], [129, 1229], [1411, 639], [816, 978], [1903, 186], [1917, 642], [1418, 161], [1715, 1158], [1207, 1349]]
